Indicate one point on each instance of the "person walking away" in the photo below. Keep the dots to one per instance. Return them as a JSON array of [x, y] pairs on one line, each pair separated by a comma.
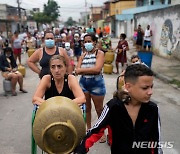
[[139, 41], [92, 81], [121, 48], [98, 31], [130, 115], [90, 29], [43, 55], [17, 45], [107, 29], [147, 38], [9, 70]]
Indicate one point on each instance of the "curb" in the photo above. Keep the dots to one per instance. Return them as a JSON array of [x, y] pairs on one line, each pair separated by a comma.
[[162, 77], [166, 79]]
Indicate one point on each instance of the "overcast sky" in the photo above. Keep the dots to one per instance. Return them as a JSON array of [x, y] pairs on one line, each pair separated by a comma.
[[69, 8]]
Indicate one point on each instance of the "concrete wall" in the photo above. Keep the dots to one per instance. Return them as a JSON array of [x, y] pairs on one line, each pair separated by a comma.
[[3, 11], [125, 26], [165, 25], [174, 2]]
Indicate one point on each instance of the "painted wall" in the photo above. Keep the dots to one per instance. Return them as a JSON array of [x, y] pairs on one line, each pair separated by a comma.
[[165, 25]]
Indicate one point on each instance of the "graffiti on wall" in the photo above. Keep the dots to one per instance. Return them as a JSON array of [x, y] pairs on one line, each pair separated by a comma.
[[177, 42], [169, 40]]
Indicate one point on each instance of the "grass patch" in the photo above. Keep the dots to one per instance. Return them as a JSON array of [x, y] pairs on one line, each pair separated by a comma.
[[176, 82]]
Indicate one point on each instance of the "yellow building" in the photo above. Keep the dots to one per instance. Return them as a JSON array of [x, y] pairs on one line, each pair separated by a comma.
[[117, 7]]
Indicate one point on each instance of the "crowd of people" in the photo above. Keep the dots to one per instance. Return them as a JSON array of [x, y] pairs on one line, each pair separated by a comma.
[[64, 53]]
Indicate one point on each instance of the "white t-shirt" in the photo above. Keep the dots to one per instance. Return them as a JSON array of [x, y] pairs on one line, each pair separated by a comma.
[[70, 53]]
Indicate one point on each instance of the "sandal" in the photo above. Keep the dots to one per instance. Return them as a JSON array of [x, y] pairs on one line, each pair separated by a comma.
[[102, 139], [14, 94], [23, 91], [115, 72]]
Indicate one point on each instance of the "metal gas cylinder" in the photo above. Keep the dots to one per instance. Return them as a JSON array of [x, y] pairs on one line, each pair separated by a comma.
[[58, 126], [120, 83], [30, 52], [7, 85], [109, 57], [22, 70], [108, 68]]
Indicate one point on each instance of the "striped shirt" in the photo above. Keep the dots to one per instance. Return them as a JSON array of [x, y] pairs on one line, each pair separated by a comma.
[[89, 61]]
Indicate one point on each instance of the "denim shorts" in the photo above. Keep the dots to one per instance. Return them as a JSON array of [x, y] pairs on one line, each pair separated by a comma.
[[95, 85], [147, 43]]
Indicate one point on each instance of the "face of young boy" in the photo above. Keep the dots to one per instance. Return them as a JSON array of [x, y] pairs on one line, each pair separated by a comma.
[[141, 90]]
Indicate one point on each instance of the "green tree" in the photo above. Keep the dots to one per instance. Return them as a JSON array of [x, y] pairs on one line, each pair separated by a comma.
[[50, 13], [70, 22]]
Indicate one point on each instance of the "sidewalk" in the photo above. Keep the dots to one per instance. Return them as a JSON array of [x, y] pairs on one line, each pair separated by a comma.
[[167, 70]]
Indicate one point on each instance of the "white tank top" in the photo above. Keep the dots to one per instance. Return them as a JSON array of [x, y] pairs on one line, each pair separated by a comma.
[[147, 35]]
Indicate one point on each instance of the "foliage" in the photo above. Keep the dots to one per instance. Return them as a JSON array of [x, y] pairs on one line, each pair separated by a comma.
[[50, 13], [176, 82], [70, 22]]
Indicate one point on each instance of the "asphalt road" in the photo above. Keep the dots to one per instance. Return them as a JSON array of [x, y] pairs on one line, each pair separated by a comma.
[[15, 115]]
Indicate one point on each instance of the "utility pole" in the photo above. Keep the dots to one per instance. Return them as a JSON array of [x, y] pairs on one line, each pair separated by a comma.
[[86, 13], [19, 14]]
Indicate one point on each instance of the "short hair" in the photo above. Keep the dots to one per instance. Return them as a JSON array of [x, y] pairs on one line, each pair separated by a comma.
[[16, 32], [134, 56], [8, 49], [59, 57], [123, 35], [134, 71], [92, 35]]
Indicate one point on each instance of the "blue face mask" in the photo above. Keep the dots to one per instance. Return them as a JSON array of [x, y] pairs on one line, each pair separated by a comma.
[[49, 43], [89, 46]]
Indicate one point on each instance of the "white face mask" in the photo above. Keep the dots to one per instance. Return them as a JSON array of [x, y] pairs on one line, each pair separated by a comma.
[[76, 39], [105, 36], [67, 47]]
